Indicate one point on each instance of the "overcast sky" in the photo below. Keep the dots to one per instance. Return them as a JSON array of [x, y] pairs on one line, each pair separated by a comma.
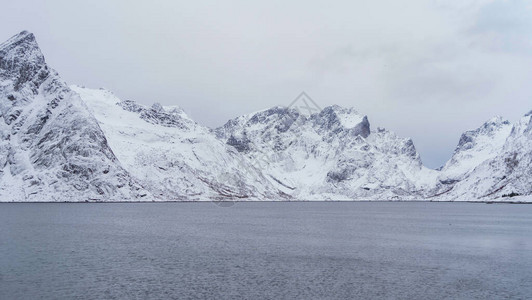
[[424, 69]]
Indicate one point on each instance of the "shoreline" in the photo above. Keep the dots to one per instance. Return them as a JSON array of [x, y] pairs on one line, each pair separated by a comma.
[[272, 201]]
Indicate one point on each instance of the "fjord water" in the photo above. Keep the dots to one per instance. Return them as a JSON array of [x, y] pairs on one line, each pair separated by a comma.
[[265, 250]]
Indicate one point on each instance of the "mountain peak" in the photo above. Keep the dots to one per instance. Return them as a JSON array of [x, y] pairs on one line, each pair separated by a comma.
[[24, 37], [19, 51], [490, 128], [496, 121], [337, 118], [492, 125]]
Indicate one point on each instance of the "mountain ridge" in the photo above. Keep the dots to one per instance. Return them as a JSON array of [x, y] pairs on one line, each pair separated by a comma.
[[69, 143]]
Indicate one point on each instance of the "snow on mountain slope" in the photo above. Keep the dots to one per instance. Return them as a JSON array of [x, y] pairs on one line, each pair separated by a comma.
[[477, 146], [51, 147], [329, 155], [504, 175], [173, 156], [60, 143]]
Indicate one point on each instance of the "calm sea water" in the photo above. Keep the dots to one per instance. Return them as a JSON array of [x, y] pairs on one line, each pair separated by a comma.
[[265, 250]]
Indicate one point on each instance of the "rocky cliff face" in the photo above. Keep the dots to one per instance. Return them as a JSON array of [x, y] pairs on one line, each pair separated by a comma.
[[51, 147]]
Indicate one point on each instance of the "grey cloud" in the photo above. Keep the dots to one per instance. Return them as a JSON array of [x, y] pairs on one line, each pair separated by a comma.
[[426, 69], [504, 26]]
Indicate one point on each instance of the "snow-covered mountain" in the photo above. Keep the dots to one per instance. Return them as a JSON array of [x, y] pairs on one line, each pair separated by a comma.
[[330, 155], [51, 147], [503, 163], [172, 156], [61, 143], [476, 146]]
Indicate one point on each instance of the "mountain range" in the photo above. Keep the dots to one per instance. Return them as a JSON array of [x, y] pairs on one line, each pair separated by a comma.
[[70, 143]]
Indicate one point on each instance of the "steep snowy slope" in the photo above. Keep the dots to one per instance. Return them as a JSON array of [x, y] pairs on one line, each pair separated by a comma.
[[477, 146], [173, 156], [329, 155], [501, 176], [51, 147]]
